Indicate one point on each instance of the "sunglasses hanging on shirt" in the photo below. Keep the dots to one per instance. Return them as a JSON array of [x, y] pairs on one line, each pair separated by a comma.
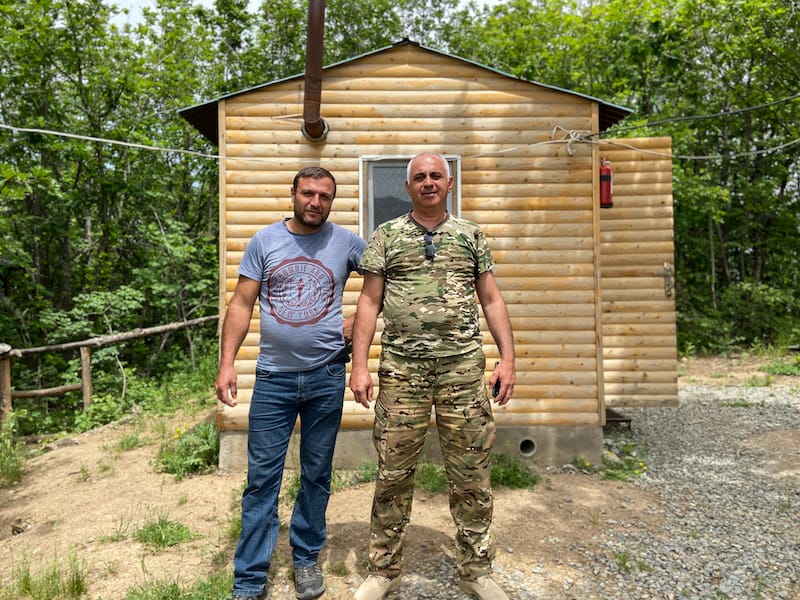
[[430, 249]]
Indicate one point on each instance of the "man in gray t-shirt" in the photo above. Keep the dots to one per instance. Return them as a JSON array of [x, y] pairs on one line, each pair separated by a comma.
[[297, 270]]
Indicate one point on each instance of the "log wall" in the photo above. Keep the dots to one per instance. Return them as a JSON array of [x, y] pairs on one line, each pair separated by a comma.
[[533, 194], [637, 250]]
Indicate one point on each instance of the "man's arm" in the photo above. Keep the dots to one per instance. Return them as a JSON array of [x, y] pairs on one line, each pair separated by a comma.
[[496, 313], [234, 330], [369, 305]]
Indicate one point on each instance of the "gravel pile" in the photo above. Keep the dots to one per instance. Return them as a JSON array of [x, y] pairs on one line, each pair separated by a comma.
[[731, 528]]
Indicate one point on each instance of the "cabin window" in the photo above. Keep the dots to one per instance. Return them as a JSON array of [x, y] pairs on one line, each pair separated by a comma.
[[383, 190]]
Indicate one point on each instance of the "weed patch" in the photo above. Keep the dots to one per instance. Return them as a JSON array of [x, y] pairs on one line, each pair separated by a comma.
[[163, 533], [189, 452]]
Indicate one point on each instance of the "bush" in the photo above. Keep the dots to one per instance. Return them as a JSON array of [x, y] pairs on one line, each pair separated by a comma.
[[12, 461], [511, 473], [194, 451], [758, 313]]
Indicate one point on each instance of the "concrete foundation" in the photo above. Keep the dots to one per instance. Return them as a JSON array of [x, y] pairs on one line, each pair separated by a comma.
[[540, 446]]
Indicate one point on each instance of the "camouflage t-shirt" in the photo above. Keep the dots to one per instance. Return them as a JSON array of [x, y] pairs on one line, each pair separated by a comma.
[[429, 306]]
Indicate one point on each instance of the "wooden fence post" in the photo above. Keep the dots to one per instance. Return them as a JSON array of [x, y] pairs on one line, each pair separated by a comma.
[[5, 381], [86, 376]]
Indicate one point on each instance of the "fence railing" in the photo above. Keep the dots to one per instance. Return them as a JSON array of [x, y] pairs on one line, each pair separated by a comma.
[[7, 393]]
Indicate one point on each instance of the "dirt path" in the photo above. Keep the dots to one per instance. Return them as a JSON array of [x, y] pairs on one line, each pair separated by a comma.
[[84, 497]]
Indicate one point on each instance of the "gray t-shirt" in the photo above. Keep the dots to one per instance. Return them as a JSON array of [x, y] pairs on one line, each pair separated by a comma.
[[302, 280]]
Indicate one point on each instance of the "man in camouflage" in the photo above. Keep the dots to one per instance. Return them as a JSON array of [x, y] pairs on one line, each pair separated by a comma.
[[423, 270]]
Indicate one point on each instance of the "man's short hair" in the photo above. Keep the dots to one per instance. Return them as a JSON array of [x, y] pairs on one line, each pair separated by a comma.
[[314, 173], [446, 163]]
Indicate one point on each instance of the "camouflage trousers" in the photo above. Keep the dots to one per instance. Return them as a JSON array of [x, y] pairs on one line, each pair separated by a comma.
[[456, 388]]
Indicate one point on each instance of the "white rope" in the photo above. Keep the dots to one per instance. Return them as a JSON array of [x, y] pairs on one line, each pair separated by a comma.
[[570, 137], [107, 141]]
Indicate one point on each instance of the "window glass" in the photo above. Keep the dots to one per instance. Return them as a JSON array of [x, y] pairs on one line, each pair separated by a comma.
[[383, 190]]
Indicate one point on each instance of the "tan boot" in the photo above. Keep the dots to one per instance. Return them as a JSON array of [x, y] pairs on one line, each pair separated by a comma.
[[376, 587], [483, 588]]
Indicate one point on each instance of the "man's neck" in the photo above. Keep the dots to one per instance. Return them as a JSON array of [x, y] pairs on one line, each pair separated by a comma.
[[297, 227], [429, 221]]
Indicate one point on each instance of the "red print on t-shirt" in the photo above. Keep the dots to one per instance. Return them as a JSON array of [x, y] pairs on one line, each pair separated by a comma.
[[300, 291]]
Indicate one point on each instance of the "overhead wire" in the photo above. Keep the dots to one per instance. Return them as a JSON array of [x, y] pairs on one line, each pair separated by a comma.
[[89, 138], [569, 137], [726, 113]]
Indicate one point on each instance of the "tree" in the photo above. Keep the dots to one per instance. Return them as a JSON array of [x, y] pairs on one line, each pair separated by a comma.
[[720, 78]]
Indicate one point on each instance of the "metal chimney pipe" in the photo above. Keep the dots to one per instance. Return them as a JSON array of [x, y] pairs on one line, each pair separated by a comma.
[[315, 129]]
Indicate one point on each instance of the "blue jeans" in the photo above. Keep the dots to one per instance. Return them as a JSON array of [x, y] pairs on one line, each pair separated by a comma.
[[278, 398]]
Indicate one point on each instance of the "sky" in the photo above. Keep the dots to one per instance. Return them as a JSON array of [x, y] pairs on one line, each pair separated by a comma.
[[135, 7]]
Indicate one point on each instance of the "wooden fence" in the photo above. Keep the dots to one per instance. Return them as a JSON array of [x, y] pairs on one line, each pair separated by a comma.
[[7, 393]]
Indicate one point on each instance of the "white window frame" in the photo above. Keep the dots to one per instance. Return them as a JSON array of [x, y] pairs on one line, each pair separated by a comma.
[[366, 187]]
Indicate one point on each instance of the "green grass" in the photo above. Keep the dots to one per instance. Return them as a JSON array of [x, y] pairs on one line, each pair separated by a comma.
[[505, 472], [785, 366], [738, 404], [189, 452], [120, 533], [510, 473], [12, 459], [629, 467], [130, 441], [162, 533], [54, 581], [623, 459], [340, 480], [627, 564], [216, 587], [430, 478]]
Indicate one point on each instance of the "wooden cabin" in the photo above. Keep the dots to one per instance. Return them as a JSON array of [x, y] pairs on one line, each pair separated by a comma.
[[589, 289]]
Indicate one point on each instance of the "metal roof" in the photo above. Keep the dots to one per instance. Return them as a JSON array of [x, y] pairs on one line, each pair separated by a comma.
[[204, 116]]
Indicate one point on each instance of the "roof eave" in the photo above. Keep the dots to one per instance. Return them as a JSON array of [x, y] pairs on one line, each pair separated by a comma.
[[204, 116]]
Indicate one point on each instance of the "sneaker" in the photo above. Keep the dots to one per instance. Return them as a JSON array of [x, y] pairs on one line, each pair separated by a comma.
[[483, 588], [308, 582], [376, 587]]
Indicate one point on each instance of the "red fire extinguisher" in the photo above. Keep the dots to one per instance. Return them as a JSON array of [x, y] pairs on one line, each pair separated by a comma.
[[606, 184]]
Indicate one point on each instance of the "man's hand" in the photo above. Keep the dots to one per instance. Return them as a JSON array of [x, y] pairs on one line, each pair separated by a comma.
[[347, 330], [361, 385], [225, 385], [503, 379]]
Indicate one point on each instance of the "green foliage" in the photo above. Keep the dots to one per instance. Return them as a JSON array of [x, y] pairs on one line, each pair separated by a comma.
[[103, 409], [162, 533], [117, 394], [789, 366], [190, 452], [102, 237], [12, 459], [52, 582], [367, 472], [758, 313], [623, 458], [675, 63], [216, 587], [363, 473], [511, 473], [430, 478]]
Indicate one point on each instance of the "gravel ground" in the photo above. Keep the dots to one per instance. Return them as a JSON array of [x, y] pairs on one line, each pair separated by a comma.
[[730, 509]]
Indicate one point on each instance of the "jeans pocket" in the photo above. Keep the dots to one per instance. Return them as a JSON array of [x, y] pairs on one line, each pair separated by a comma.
[[263, 374], [336, 370]]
